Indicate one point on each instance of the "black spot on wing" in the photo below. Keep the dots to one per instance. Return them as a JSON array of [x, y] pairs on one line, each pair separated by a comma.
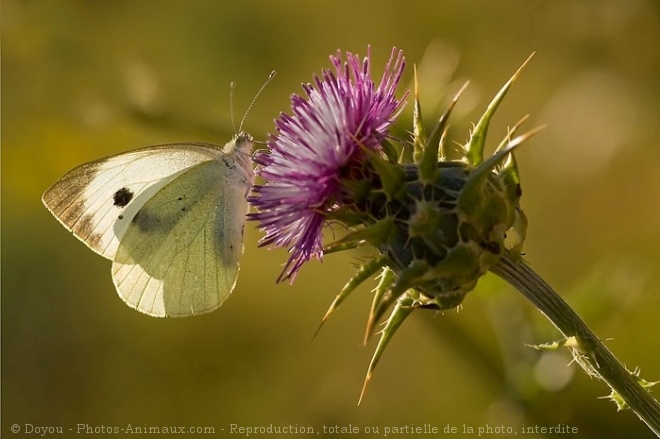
[[122, 197]]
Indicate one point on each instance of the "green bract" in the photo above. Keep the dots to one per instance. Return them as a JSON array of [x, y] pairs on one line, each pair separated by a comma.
[[438, 224]]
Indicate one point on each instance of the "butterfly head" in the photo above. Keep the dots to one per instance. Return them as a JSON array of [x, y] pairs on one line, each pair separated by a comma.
[[242, 143]]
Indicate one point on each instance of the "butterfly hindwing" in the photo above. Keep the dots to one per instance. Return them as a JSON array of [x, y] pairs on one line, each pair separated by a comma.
[[179, 254]]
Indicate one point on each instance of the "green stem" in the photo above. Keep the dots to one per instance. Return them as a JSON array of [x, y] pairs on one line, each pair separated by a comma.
[[590, 350]]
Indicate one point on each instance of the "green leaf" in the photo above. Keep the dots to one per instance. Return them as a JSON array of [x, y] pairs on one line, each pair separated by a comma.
[[387, 279], [364, 272], [435, 150], [374, 233], [349, 216], [419, 134], [403, 281], [471, 196], [402, 309], [475, 146], [392, 176], [390, 151], [341, 246]]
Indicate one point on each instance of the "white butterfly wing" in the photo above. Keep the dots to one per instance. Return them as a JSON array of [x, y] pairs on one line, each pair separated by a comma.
[[97, 200], [179, 254], [170, 217]]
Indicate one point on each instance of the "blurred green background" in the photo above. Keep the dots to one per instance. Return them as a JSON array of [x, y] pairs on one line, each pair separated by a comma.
[[84, 79]]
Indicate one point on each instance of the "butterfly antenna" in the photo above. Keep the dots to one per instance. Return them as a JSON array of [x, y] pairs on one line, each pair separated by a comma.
[[232, 86], [270, 78]]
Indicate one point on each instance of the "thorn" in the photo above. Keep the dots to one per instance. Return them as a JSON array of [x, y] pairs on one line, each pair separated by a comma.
[[325, 317], [364, 386]]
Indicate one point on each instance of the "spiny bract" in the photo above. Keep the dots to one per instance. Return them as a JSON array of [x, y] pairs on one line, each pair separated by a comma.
[[439, 224]]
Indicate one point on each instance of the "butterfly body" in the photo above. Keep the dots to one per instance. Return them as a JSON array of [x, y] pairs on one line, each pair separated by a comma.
[[170, 217]]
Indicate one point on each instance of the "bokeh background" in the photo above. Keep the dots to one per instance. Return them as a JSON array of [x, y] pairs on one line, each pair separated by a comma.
[[84, 79]]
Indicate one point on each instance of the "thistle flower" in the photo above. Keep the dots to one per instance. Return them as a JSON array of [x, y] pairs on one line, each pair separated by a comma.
[[343, 113], [436, 224]]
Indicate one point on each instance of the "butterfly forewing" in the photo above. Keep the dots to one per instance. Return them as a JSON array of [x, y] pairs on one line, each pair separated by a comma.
[[85, 199]]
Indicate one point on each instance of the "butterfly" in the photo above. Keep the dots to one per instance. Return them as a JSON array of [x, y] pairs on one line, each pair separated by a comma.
[[169, 217]]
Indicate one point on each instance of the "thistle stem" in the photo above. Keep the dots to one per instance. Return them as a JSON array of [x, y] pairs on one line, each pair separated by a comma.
[[591, 353]]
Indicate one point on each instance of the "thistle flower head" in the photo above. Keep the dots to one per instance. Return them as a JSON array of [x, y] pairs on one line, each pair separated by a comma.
[[437, 225], [342, 113]]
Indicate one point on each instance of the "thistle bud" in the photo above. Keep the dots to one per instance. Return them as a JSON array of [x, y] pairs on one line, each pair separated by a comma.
[[454, 226]]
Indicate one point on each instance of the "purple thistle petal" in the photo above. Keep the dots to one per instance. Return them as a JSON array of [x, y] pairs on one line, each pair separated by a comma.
[[342, 112]]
